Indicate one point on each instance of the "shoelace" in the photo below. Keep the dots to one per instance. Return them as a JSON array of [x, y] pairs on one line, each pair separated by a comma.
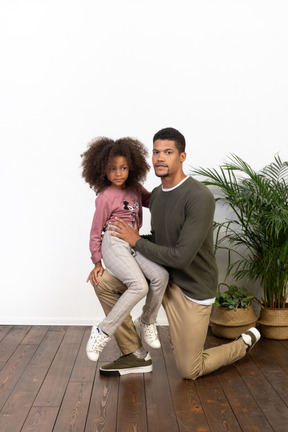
[[120, 358], [150, 330], [99, 341]]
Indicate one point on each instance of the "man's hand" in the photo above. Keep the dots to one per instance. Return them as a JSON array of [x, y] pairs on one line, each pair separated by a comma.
[[93, 276], [124, 231]]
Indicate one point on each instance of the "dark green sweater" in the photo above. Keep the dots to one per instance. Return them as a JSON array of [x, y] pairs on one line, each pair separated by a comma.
[[182, 237]]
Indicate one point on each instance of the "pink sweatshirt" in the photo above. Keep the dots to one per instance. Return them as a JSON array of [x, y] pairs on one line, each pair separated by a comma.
[[125, 204]]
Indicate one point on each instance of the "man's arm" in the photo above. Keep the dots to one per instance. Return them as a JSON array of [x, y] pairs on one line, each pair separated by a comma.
[[124, 231], [198, 222]]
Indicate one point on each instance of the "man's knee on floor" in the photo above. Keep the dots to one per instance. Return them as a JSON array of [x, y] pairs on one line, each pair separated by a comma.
[[187, 371]]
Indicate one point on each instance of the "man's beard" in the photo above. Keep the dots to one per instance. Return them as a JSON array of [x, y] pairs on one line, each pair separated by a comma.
[[164, 174]]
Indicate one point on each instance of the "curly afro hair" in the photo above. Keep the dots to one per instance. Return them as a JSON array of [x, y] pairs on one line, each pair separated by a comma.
[[99, 155]]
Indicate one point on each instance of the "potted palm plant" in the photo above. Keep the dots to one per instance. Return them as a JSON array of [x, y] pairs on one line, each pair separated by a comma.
[[232, 312], [255, 236]]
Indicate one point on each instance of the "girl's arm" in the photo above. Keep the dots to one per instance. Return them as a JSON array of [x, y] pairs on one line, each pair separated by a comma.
[[101, 215]]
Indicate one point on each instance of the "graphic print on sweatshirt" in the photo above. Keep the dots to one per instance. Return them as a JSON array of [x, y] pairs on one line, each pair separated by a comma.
[[133, 207]]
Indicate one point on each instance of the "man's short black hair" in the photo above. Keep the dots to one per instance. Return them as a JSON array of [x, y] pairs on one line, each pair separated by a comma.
[[172, 135]]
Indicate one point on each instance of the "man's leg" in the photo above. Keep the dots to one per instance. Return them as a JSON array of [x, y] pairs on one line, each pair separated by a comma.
[[189, 323], [135, 359], [108, 291]]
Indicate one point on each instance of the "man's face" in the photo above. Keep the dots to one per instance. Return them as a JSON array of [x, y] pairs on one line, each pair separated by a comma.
[[166, 159]]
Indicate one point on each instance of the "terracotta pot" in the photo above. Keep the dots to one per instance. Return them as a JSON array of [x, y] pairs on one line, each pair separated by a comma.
[[230, 323], [274, 323]]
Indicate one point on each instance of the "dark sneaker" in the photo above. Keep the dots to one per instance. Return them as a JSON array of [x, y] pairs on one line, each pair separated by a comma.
[[127, 364]]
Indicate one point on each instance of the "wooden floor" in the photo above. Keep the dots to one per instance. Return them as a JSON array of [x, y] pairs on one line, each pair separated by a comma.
[[48, 384]]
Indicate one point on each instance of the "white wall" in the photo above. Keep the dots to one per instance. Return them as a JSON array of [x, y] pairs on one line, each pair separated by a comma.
[[72, 70]]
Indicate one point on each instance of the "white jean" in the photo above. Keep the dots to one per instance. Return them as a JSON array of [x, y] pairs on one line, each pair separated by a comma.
[[134, 270]]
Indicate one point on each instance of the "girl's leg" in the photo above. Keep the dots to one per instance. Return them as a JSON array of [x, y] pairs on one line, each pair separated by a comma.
[[120, 262], [109, 290], [158, 278]]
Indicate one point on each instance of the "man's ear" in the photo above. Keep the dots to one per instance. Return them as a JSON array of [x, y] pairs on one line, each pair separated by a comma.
[[182, 157]]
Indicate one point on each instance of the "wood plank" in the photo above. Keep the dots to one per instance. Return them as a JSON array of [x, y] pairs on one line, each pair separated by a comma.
[[84, 369], [74, 335], [217, 409], [40, 419], [4, 330], [11, 341], [278, 351], [190, 414], [283, 342], [13, 369], [215, 404], [273, 408], [271, 370], [73, 411], [210, 380], [161, 415], [132, 404], [102, 413], [55, 383], [35, 335], [18, 404], [244, 406]]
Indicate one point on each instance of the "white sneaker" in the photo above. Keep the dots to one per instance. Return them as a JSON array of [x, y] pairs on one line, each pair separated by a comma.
[[96, 343], [250, 338], [148, 332]]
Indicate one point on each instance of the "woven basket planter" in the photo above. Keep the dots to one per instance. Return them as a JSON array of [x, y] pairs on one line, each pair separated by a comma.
[[230, 323], [274, 323]]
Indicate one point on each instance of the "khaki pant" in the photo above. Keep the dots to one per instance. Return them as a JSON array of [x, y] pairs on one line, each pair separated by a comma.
[[188, 322]]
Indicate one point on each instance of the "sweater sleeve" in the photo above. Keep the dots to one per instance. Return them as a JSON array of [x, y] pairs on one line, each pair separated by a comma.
[[198, 221], [101, 215]]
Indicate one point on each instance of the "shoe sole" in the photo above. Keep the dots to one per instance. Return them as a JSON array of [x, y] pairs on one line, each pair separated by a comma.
[[127, 371]]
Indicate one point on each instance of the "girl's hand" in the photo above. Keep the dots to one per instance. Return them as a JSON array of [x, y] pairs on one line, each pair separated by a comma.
[[93, 276]]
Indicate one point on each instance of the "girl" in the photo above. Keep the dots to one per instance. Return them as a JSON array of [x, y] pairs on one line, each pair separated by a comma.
[[114, 169]]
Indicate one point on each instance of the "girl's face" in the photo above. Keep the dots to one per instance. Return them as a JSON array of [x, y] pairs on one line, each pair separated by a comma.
[[117, 172]]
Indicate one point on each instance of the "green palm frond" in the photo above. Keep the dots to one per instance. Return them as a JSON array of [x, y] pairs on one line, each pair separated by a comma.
[[256, 235], [277, 170]]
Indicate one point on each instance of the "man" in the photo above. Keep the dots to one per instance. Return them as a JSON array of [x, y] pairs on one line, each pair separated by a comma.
[[182, 211]]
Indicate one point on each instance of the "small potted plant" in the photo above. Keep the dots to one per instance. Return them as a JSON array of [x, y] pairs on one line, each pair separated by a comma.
[[232, 312]]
